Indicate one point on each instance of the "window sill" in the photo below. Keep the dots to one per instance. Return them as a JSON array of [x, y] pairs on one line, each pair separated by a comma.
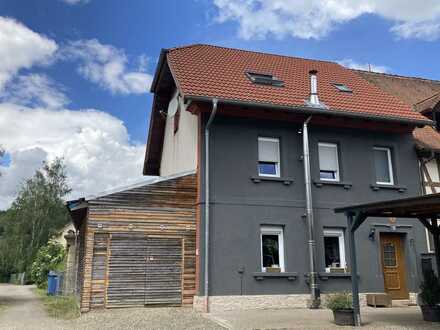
[[260, 276], [285, 180], [344, 184], [325, 276], [377, 187]]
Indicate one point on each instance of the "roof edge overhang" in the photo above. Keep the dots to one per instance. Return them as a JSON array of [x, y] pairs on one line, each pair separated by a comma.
[[313, 110], [161, 62]]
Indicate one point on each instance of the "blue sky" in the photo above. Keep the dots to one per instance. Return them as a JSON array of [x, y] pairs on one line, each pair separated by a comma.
[[101, 55]]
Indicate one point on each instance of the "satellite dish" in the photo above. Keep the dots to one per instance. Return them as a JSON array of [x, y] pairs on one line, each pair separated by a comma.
[[173, 106]]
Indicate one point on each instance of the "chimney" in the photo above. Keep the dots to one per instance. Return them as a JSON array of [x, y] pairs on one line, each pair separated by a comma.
[[314, 100]]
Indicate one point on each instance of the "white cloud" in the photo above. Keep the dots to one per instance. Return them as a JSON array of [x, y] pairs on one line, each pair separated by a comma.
[[107, 66], [95, 145], [35, 90], [316, 18], [351, 64], [20, 48]]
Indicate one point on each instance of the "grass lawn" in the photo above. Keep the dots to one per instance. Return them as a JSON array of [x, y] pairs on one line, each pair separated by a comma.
[[58, 307]]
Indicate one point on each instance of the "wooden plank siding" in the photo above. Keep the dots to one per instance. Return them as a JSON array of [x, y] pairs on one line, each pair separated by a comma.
[[167, 210]]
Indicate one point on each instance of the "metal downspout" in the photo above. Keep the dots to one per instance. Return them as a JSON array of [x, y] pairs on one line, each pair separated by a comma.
[[314, 289], [210, 120]]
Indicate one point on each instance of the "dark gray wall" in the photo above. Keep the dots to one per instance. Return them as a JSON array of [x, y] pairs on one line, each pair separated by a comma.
[[239, 206]]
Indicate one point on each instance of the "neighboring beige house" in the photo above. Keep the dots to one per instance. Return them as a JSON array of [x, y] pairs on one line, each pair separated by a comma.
[[59, 238]]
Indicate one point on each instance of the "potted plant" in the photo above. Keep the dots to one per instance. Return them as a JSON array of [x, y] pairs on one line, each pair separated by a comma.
[[430, 297], [341, 305]]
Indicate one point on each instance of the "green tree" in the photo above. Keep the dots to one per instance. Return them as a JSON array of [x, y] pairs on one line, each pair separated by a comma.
[[37, 214], [49, 257]]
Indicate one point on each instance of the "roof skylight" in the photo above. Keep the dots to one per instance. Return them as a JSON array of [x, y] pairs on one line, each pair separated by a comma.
[[343, 88], [264, 79]]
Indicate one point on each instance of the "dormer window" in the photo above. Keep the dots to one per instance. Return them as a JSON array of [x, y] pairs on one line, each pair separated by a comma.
[[343, 88], [264, 79]]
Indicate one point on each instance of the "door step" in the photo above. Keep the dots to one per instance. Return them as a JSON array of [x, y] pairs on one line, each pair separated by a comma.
[[403, 303]]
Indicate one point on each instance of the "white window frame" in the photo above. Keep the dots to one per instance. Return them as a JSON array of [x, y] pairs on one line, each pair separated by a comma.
[[339, 233], [335, 146], [273, 230], [390, 166], [277, 164], [430, 248]]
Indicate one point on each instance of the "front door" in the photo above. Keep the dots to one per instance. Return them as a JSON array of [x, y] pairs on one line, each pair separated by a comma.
[[393, 265]]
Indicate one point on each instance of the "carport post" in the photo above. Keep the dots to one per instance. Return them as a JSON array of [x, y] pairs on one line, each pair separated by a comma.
[[353, 269]]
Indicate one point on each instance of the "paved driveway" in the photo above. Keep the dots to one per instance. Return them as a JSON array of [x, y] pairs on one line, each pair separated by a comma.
[[25, 311], [372, 318]]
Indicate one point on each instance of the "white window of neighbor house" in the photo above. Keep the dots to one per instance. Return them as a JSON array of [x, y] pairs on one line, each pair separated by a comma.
[[268, 156], [383, 165], [334, 247], [430, 239], [328, 161], [272, 249]]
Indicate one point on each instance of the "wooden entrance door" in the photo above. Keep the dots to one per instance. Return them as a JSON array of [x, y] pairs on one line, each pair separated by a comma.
[[393, 265]]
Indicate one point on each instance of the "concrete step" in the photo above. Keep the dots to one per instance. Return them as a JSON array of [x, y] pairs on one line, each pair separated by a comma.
[[403, 303]]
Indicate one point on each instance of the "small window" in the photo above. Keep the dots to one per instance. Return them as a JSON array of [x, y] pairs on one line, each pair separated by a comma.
[[343, 88], [264, 79], [334, 247], [268, 157], [383, 166], [430, 239], [176, 120], [389, 255], [272, 249], [328, 161]]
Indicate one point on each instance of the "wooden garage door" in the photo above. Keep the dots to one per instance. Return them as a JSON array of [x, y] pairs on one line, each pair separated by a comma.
[[126, 273], [144, 271], [164, 271]]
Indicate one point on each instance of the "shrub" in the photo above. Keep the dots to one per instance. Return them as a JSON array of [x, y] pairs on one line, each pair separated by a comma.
[[338, 301], [49, 257], [430, 287]]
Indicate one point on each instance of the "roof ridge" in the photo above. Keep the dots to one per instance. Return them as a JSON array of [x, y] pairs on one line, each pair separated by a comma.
[[398, 76], [255, 52]]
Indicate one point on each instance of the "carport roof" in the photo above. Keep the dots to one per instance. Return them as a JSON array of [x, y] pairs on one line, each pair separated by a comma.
[[415, 207]]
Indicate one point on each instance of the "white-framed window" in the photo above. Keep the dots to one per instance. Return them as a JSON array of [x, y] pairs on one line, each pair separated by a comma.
[[272, 249], [334, 249], [383, 165], [430, 239], [328, 161], [268, 156]]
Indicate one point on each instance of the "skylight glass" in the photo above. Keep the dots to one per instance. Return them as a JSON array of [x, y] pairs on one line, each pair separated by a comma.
[[264, 79], [343, 88]]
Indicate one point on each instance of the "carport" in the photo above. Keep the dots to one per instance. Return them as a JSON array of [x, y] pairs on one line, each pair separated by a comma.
[[425, 209]]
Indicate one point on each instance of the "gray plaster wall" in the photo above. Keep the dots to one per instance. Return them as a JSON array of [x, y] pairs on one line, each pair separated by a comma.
[[240, 206]]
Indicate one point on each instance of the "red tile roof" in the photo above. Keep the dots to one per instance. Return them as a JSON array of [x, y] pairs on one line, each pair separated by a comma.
[[211, 71]]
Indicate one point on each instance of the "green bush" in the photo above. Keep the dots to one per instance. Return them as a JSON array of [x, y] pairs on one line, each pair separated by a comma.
[[338, 301], [49, 257], [430, 287]]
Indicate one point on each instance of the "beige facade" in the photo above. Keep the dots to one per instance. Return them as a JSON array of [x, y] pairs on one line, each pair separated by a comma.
[[179, 152]]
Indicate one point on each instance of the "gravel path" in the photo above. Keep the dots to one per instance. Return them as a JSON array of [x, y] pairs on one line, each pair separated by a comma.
[[25, 311]]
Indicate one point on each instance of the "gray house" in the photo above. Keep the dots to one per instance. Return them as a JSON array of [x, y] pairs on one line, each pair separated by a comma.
[[277, 143]]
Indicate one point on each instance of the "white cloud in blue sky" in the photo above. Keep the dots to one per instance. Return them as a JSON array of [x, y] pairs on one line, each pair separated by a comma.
[[351, 64], [106, 66], [314, 19], [36, 126]]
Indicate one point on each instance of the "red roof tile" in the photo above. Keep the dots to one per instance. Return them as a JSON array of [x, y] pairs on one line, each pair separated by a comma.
[[211, 71], [427, 138]]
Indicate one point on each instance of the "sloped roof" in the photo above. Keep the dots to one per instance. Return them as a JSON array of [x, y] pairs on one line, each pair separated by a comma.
[[421, 93], [410, 90], [212, 71]]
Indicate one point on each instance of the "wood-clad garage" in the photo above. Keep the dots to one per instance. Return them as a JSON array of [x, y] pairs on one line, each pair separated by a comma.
[[139, 245]]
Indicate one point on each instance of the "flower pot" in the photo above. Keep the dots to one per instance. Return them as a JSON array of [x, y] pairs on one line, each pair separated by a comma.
[[431, 313], [344, 317]]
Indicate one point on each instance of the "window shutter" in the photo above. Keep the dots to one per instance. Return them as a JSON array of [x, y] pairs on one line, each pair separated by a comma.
[[268, 150], [328, 158]]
